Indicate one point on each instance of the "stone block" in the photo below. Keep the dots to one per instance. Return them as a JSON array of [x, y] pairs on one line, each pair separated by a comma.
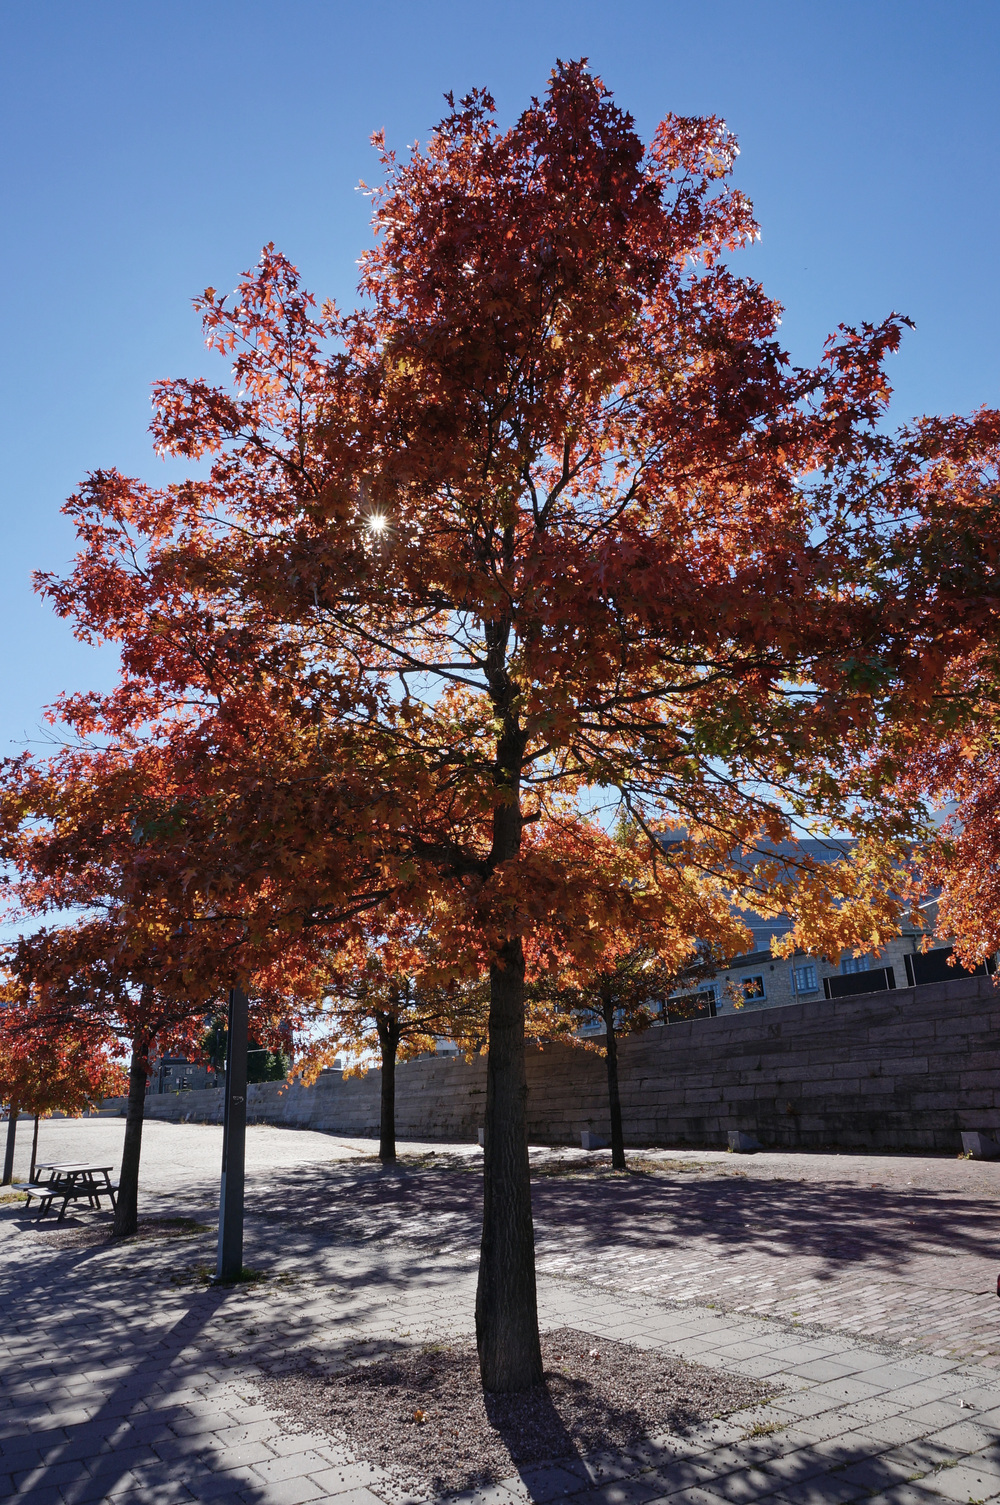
[[741, 1143], [980, 1146], [591, 1141], [983, 1098]]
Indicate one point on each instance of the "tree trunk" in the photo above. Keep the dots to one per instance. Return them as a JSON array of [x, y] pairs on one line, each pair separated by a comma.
[[388, 1039], [127, 1204], [510, 1355], [8, 1159], [614, 1101], [506, 1307], [34, 1149]]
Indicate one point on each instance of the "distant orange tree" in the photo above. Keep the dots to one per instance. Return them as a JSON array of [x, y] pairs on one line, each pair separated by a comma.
[[45, 1071], [651, 923], [388, 996]]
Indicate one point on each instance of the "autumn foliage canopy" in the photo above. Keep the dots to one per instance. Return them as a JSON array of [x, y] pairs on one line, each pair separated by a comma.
[[550, 519]]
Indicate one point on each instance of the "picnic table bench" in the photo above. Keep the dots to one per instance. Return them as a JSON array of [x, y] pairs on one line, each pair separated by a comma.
[[70, 1181]]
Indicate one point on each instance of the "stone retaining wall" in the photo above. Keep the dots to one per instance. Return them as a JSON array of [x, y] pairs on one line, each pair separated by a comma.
[[905, 1070]]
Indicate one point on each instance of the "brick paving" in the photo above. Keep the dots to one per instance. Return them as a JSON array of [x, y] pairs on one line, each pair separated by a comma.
[[125, 1378], [910, 1261]]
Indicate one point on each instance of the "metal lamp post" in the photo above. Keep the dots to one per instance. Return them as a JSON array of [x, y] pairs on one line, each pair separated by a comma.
[[234, 1137]]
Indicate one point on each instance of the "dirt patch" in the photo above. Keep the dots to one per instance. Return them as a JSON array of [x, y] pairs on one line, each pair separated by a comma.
[[421, 1414], [599, 1168], [90, 1235]]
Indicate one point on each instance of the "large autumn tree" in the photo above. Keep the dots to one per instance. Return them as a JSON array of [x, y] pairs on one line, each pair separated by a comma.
[[551, 513]]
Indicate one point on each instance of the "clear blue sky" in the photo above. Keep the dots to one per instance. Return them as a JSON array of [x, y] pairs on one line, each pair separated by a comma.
[[149, 150]]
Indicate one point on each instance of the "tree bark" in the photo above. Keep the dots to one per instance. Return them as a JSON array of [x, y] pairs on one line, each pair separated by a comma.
[[510, 1356], [34, 1149], [127, 1204], [8, 1159], [506, 1305], [614, 1100], [388, 1040]]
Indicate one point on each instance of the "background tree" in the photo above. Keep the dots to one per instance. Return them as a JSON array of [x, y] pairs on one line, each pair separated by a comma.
[[669, 922], [75, 982], [44, 1072], [389, 997], [182, 836], [95, 978], [552, 513], [263, 1063]]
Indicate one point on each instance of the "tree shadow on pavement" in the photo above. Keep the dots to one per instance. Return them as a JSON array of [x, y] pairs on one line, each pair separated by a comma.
[[110, 1373], [838, 1225]]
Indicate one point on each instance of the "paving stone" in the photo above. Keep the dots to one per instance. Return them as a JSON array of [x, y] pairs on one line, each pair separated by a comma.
[[54, 1474], [292, 1466], [904, 1494], [682, 1474], [878, 1473], [965, 1437], [123, 1458], [747, 1484], [804, 1403], [601, 1468], [41, 1494], [14, 1458], [350, 1477], [157, 1494], [936, 1416], [545, 1482], [842, 1392], [825, 1489], [357, 1495], [893, 1430], [821, 1369], [882, 1407], [964, 1483], [217, 1487], [90, 1491], [627, 1491], [288, 1444], [282, 1492], [696, 1495]]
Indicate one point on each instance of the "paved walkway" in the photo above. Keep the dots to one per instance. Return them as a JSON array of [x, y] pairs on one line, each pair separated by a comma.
[[124, 1378]]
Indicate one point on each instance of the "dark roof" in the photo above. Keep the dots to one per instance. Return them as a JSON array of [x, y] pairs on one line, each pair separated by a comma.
[[751, 959]]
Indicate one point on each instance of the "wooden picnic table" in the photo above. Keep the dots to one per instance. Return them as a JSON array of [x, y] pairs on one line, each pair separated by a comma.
[[71, 1181]]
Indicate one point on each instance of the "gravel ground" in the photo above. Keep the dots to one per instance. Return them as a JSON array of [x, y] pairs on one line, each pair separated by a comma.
[[95, 1232], [421, 1414]]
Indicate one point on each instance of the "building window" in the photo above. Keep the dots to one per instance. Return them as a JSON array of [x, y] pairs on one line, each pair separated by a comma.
[[805, 979], [752, 988], [709, 998], [691, 1005], [855, 964]]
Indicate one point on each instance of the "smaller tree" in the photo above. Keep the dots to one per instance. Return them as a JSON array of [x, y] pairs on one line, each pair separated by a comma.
[[389, 996], [265, 1063], [84, 978], [97, 980], [960, 775], [662, 923], [45, 1071]]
